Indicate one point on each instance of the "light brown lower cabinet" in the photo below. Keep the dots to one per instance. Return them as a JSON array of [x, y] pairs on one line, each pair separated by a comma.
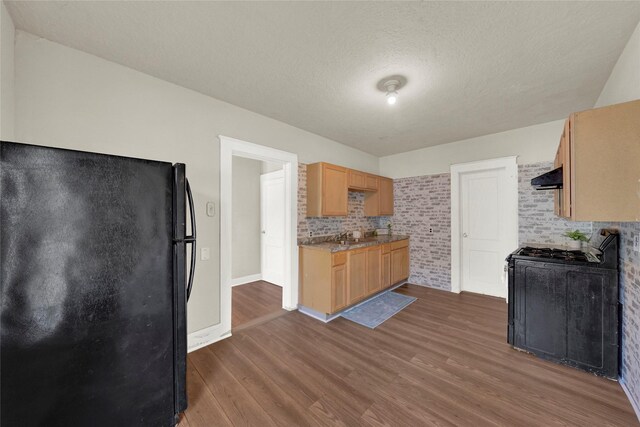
[[399, 261], [386, 265], [339, 287], [357, 278], [374, 269], [330, 282]]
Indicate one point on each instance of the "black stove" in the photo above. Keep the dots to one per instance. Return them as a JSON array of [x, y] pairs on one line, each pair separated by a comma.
[[563, 305], [560, 254], [604, 256]]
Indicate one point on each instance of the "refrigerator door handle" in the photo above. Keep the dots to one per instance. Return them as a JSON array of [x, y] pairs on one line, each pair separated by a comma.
[[191, 239]]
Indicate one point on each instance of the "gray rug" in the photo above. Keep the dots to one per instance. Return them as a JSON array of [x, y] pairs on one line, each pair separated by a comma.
[[375, 311]]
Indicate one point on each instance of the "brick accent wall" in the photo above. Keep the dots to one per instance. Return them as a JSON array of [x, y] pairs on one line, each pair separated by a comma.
[[629, 280], [536, 221], [423, 211]]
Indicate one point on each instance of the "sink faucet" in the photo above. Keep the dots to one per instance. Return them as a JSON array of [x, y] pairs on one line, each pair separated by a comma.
[[342, 236]]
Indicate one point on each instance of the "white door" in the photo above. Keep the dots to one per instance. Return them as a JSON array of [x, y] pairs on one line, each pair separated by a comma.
[[486, 228], [272, 205]]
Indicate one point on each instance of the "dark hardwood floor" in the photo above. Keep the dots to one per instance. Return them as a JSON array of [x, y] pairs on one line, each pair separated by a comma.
[[255, 302], [441, 361]]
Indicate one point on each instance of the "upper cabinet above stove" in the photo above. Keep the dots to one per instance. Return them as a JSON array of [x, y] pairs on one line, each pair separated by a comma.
[[599, 153], [328, 189]]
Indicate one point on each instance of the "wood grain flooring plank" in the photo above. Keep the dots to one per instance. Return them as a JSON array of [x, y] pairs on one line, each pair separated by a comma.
[[236, 402], [204, 409], [275, 402]]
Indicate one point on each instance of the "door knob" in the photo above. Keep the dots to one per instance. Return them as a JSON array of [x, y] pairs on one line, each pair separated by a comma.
[[464, 235]]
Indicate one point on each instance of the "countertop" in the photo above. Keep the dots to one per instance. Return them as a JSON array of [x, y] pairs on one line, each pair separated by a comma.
[[363, 243]]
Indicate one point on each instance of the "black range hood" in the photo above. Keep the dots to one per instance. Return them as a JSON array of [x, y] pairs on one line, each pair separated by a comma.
[[548, 181]]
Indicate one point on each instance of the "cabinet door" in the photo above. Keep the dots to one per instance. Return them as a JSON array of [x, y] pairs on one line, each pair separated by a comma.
[[334, 191], [540, 312], [566, 170], [592, 320], [357, 274], [372, 183], [399, 265], [386, 270], [374, 269], [385, 193], [557, 193], [338, 287], [357, 180]]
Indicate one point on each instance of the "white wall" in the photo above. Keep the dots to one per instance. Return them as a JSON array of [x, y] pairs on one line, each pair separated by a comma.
[[531, 144], [71, 99], [624, 82], [245, 233], [7, 33]]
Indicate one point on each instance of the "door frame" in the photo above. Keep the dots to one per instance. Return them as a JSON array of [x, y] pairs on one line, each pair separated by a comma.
[[264, 176], [230, 147], [510, 165]]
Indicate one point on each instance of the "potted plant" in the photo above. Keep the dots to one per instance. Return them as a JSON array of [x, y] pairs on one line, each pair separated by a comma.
[[577, 237]]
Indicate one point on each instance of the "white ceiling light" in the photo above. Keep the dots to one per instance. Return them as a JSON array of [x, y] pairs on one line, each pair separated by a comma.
[[392, 94], [390, 85]]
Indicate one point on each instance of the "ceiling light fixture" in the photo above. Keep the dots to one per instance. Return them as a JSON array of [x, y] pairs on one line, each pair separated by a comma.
[[390, 86]]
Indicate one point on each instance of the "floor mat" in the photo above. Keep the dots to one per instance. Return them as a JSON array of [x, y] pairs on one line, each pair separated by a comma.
[[375, 311]]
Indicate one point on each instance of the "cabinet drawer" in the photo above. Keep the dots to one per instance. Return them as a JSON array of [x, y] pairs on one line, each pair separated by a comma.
[[338, 258], [400, 244]]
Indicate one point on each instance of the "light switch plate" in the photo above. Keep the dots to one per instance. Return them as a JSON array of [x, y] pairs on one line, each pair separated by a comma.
[[636, 243], [205, 254], [211, 209]]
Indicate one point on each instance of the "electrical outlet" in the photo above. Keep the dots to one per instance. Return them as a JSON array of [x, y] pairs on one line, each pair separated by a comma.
[[311, 234], [205, 255], [430, 230], [636, 243]]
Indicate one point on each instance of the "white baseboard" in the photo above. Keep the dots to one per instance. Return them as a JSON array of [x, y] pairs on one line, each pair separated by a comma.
[[204, 337], [246, 279], [325, 318], [633, 402]]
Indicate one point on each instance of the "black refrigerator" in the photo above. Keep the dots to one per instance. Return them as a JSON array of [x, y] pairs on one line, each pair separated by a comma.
[[94, 288]]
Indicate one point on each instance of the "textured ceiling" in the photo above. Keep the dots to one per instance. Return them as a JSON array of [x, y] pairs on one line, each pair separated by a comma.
[[473, 68]]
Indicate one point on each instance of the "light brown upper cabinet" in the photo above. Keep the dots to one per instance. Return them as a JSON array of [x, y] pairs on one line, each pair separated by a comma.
[[600, 157], [371, 182], [327, 193], [380, 203], [357, 180]]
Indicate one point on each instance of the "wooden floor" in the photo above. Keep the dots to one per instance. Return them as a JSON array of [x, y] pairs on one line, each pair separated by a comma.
[[441, 361], [255, 302]]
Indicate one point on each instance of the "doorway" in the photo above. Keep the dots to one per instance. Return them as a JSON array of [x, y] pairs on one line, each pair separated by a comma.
[[231, 148], [484, 224]]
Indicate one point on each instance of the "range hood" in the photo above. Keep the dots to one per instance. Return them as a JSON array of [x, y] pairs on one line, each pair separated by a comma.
[[548, 181]]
